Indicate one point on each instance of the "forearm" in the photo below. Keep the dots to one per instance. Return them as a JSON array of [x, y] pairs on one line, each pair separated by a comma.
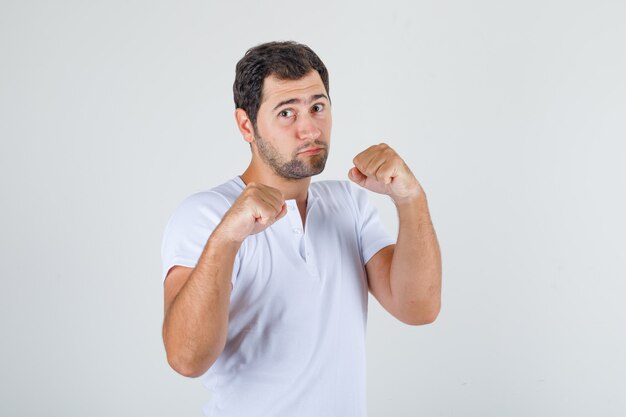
[[196, 324], [415, 274]]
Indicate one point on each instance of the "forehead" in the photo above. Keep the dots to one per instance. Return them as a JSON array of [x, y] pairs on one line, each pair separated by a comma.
[[276, 90]]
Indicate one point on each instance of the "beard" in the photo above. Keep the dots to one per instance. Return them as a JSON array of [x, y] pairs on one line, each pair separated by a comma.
[[297, 167]]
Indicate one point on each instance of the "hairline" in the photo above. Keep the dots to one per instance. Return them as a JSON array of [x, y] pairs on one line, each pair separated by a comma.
[[263, 99]]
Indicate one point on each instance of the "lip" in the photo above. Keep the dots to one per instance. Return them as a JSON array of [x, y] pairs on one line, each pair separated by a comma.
[[311, 151]]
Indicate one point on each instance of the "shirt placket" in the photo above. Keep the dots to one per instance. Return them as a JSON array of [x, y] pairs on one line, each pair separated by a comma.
[[300, 236]]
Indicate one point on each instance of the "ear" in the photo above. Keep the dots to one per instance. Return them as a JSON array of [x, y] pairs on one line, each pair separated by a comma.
[[245, 125]]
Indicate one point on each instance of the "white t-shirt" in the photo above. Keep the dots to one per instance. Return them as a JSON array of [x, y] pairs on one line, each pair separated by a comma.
[[298, 308]]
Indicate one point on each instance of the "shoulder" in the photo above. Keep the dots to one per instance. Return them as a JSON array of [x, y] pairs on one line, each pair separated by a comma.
[[207, 204], [229, 190]]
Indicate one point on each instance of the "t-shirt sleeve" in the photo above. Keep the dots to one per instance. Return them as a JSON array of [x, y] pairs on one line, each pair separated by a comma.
[[373, 236], [189, 228]]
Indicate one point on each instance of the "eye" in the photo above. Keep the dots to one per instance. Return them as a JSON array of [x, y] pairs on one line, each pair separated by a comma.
[[318, 108], [285, 113]]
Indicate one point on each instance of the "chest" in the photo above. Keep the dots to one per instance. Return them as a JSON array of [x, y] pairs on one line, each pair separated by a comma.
[[292, 275]]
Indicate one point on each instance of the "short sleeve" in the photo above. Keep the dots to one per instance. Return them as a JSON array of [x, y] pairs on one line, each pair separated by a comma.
[[189, 228], [373, 236]]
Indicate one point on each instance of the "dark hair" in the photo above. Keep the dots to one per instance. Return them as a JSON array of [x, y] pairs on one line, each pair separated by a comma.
[[285, 60]]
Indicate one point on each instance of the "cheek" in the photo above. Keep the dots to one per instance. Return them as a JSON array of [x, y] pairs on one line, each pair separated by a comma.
[[270, 126], [283, 124], [275, 130], [327, 124], [328, 119], [323, 122]]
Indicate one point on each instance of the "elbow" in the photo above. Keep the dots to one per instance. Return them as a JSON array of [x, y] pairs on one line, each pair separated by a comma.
[[429, 317], [420, 320], [190, 359], [192, 364], [422, 316], [188, 368]]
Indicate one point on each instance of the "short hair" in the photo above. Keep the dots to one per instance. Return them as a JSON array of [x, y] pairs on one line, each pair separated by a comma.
[[286, 60]]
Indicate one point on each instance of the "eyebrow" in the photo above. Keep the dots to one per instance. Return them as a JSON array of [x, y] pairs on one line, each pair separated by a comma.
[[297, 100]]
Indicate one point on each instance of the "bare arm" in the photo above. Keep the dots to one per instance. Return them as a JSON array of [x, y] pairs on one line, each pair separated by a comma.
[[197, 300], [405, 278], [416, 265], [196, 309]]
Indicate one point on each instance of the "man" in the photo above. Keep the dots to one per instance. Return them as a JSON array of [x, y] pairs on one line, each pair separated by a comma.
[[267, 275]]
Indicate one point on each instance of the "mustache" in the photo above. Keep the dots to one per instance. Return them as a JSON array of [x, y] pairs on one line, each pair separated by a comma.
[[316, 143]]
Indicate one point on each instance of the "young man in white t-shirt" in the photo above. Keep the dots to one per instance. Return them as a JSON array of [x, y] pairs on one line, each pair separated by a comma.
[[266, 276]]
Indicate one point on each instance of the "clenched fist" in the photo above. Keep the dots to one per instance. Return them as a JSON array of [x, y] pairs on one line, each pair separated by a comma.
[[257, 207], [381, 170]]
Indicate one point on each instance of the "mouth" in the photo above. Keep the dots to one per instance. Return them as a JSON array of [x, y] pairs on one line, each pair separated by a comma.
[[311, 151]]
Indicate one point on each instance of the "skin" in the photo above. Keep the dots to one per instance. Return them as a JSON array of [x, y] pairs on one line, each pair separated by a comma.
[[289, 145], [288, 129]]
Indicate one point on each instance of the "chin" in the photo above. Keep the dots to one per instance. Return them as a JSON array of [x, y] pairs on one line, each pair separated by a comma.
[[317, 167]]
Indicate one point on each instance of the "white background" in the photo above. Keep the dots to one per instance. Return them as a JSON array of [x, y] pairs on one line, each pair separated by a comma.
[[511, 114]]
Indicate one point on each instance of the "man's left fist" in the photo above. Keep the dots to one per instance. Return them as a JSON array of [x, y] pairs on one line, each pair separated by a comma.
[[381, 170]]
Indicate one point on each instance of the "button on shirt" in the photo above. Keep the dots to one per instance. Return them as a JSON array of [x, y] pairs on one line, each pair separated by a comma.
[[298, 308]]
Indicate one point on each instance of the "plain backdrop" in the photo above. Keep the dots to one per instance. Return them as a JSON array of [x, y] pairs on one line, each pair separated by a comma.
[[511, 114]]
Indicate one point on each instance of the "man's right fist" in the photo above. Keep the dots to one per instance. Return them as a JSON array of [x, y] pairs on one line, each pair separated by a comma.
[[257, 208]]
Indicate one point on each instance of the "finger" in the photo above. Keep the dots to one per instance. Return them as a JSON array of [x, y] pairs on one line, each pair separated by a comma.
[[386, 172], [266, 213], [373, 157], [365, 151], [271, 200], [270, 196], [362, 159], [357, 176], [274, 210], [282, 213], [378, 159], [263, 205], [271, 192]]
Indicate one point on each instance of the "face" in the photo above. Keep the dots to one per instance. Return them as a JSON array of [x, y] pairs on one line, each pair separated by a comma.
[[293, 126]]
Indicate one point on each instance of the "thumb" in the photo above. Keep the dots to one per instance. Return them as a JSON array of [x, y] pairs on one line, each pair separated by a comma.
[[282, 212], [356, 176]]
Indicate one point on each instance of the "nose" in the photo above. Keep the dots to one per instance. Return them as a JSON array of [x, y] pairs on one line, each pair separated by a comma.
[[306, 127]]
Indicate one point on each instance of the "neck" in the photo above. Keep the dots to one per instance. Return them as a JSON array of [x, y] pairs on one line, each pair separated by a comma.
[[292, 189]]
